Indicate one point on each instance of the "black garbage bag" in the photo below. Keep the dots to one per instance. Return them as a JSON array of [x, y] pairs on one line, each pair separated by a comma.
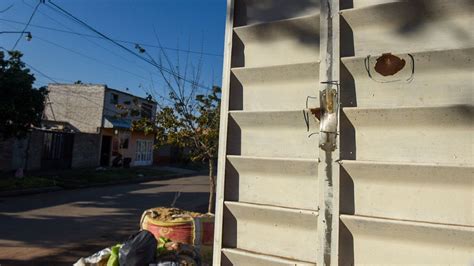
[[138, 250]]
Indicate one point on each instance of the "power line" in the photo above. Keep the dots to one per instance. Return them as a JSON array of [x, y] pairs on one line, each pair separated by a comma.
[[73, 92], [70, 31], [44, 75], [27, 24], [90, 57], [54, 80], [108, 50], [160, 67], [6, 9], [47, 96], [80, 54], [38, 71], [99, 37]]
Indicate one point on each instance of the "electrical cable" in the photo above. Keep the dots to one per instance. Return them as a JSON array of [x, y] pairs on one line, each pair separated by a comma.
[[6, 9], [26, 26], [160, 67], [108, 50], [67, 93], [66, 27], [90, 58], [79, 21], [44, 75], [117, 40]]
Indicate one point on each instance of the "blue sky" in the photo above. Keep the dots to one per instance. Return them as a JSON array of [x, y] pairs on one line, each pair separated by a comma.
[[197, 24]]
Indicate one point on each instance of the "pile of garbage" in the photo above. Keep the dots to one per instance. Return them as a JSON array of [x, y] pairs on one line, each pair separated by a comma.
[[167, 237]]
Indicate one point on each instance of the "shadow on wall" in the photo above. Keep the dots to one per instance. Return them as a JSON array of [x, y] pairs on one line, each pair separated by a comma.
[[234, 138], [236, 99], [232, 181], [258, 11], [418, 14], [230, 228]]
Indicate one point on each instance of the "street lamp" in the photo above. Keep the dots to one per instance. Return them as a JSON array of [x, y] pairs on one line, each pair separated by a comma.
[[28, 36]]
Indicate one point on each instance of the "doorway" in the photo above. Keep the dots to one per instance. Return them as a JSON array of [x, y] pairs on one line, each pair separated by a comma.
[[105, 150]]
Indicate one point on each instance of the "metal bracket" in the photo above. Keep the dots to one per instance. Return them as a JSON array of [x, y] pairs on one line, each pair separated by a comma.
[[329, 99]]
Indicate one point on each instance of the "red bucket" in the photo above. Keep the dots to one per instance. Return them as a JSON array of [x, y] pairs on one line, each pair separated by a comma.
[[196, 230]]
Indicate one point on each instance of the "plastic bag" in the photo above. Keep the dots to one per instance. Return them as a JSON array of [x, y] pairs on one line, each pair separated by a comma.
[[114, 255], [138, 250], [98, 258]]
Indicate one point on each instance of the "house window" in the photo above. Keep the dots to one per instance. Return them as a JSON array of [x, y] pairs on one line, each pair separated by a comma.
[[124, 140], [144, 152], [146, 110], [114, 99]]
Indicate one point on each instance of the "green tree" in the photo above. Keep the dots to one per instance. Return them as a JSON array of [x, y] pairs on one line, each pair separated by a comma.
[[195, 128], [21, 106]]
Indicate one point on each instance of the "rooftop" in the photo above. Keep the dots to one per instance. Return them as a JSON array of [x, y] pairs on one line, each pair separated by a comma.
[[102, 85]]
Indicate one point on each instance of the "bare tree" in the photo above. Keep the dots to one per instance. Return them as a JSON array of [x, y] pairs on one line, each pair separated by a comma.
[[189, 112]]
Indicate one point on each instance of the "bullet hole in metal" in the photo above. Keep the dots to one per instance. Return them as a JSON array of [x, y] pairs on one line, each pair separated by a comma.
[[388, 64]]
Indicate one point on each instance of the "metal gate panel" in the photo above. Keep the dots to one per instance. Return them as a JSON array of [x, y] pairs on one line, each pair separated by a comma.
[[282, 232], [441, 77], [397, 170], [292, 181], [240, 257], [286, 85], [409, 26], [380, 241], [278, 134], [406, 134], [268, 43], [251, 12], [408, 191], [267, 190]]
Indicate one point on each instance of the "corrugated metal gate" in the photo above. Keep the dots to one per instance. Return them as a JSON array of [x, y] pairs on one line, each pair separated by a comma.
[[57, 150], [268, 205], [407, 169], [397, 187]]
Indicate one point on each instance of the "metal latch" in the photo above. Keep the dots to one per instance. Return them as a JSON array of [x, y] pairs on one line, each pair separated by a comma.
[[329, 100]]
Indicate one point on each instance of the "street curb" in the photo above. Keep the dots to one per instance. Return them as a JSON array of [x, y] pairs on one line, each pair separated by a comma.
[[31, 191], [132, 181]]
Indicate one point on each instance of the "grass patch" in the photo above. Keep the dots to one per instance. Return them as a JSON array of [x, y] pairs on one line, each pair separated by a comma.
[[13, 183]]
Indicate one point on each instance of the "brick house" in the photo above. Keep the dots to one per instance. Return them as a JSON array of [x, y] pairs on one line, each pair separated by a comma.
[[94, 108]]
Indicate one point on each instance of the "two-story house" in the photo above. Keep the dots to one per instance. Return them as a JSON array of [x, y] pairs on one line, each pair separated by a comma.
[[95, 108]]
